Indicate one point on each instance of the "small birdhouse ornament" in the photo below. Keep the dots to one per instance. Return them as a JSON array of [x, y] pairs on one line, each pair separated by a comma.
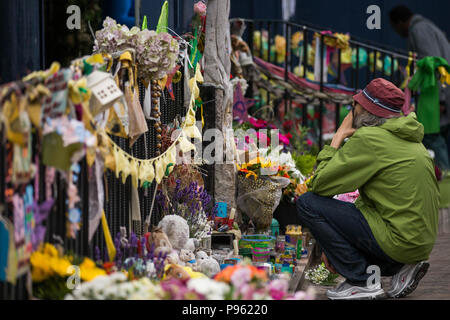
[[104, 91]]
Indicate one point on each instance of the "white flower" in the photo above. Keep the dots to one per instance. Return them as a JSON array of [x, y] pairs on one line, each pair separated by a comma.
[[211, 289]]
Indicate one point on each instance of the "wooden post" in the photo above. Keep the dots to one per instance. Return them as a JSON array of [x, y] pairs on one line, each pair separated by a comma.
[[217, 73]]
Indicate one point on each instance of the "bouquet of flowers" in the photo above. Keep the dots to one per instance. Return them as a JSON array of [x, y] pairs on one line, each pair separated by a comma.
[[239, 282], [116, 286], [321, 275], [156, 53], [259, 197], [191, 203], [50, 269], [132, 258], [247, 282]]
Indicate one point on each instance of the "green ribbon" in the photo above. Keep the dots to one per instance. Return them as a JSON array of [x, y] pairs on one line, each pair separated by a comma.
[[424, 80], [167, 169], [146, 185]]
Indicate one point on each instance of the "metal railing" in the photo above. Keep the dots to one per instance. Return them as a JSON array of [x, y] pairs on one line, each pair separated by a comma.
[[359, 75], [117, 195]]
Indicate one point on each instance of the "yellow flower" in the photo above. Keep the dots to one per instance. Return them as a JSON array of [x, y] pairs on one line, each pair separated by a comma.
[[89, 271], [88, 264], [61, 266], [50, 250], [38, 274], [89, 274], [251, 173], [41, 267]]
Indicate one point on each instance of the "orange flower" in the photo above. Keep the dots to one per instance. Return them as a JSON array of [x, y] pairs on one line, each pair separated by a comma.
[[258, 273], [301, 189], [225, 274]]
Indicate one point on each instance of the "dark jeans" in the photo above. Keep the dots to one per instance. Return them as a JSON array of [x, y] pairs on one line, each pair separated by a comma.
[[345, 237]]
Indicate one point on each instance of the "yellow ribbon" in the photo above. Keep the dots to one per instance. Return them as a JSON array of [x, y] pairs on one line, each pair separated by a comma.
[[108, 239], [445, 76], [408, 71]]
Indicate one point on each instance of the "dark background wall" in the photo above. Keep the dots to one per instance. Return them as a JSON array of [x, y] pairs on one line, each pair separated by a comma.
[[347, 15], [20, 38]]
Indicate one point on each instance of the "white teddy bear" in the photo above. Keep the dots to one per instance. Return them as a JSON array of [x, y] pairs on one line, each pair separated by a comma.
[[188, 258], [177, 230], [206, 265]]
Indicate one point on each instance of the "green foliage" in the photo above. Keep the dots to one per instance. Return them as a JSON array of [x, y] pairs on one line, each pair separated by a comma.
[[54, 288], [304, 162]]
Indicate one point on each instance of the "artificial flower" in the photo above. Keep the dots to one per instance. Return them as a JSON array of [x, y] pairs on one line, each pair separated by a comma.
[[156, 53], [200, 8]]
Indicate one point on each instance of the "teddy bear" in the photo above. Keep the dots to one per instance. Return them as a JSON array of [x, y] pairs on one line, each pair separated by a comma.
[[160, 241], [177, 231], [187, 258], [173, 258], [176, 272], [206, 265]]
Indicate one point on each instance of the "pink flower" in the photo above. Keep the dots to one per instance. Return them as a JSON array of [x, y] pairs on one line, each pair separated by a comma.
[[200, 8], [277, 294], [283, 139], [309, 142], [258, 124], [279, 284], [241, 277]]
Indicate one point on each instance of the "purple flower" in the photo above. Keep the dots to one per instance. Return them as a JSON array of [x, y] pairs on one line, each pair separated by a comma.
[[133, 240], [97, 253]]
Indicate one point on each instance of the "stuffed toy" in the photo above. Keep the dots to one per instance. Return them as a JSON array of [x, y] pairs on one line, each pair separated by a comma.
[[161, 242], [177, 230], [206, 265], [175, 271], [181, 273], [187, 257], [173, 258]]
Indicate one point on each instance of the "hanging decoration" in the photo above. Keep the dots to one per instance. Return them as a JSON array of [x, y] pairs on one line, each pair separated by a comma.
[[156, 53]]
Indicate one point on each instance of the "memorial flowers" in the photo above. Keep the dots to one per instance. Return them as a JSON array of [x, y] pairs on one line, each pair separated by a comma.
[[156, 53]]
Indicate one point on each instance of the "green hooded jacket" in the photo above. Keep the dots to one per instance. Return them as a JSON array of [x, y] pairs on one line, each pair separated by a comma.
[[399, 194]]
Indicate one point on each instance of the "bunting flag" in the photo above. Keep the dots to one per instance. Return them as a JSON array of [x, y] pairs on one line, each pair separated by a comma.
[[163, 22], [144, 23], [145, 171]]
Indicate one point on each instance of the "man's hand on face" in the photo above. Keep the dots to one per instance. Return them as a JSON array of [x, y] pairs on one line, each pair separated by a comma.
[[345, 130]]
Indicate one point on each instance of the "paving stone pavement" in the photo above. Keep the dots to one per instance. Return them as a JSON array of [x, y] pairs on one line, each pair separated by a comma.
[[436, 283]]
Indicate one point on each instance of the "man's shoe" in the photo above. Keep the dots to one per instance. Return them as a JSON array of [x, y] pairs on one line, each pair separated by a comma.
[[407, 279], [346, 291]]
